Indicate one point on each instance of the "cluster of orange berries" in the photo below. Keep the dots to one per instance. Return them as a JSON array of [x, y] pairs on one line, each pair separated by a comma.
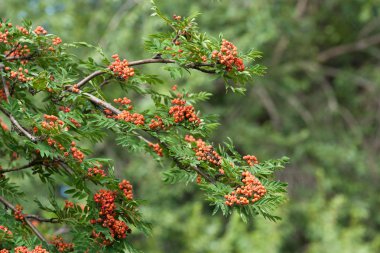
[[76, 123], [180, 111], [157, 148], [6, 230], [108, 217], [252, 190], [135, 118], [18, 213], [40, 30], [251, 160], [69, 204], [18, 52], [123, 101], [204, 152], [127, 189], [51, 122], [75, 88], [64, 109], [20, 74], [57, 41], [4, 37], [121, 68], [61, 245], [92, 172], [23, 249], [156, 123], [228, 56], [22, 29], [77, 154], [52, 142]]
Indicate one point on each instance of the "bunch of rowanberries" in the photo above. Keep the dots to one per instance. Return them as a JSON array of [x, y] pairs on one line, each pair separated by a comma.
[[181, 112], [61, 245], [91, 172], [228, 56], [157, 148], [204, 152], [156, 123], [252, 190], [120, 68], [40, 30], [251, 160]]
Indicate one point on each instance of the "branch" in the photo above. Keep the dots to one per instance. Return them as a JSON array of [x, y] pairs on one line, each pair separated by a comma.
[[12, 119], [348, 48], [41, 219], [193, 65], [27, 221], [26, 166], [108, 106]]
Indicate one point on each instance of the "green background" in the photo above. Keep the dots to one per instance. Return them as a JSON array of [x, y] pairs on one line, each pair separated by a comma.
[[318, 104]]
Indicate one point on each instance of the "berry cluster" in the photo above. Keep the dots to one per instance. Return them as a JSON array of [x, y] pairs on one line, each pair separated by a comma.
[[6, 230], [204, 152], [76, 123], [51, 122], [135, 118], [22, 29], [228, 56], [107, 215], [251, 160], [4, 37], [40, 30], [57, 41], [252, 189], [68, 204], [19, 75], [61, 245], [156, 123], [64, 109], [19, 51], [180, 111], [23, 249], [123, 101], [77, 154], [55, 143], [92, 172], [75, 88], [120, 68], [18, 213], [157, 148], [127, 189]]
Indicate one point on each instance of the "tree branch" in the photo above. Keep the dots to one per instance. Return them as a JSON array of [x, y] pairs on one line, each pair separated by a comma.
[[27, 221], [26, 166], [114, 110]]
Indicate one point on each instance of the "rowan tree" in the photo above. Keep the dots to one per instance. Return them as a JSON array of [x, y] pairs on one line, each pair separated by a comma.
[[52, 102]]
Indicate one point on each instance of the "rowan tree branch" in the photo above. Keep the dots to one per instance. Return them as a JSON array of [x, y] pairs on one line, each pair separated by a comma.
[[194, 65], [26, 166], [104, 104], [7, 204]]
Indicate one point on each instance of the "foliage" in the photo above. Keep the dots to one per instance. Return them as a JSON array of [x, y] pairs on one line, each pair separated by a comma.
[[55, 102]]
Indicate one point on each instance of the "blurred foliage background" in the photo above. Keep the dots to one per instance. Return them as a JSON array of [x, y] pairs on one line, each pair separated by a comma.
[[318, 104]]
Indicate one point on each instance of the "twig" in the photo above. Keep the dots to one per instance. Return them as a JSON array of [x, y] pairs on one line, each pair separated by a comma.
[[26, 166], [89, 77], [27, 221], [41, 219]]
